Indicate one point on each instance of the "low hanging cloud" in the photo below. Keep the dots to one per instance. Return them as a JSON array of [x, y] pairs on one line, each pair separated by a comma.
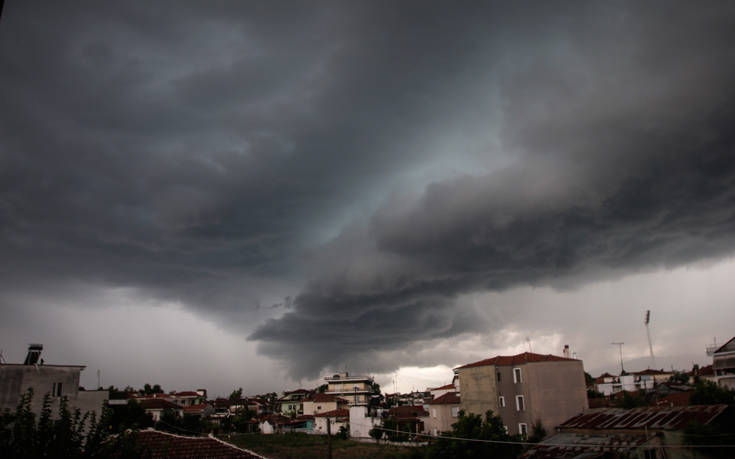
[[627, 165], [352, 170]]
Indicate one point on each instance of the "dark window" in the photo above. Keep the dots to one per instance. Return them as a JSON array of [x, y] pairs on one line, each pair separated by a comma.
[[498, 376], [56, 390]]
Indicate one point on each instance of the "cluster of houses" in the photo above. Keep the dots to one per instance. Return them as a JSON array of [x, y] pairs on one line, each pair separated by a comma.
[[525, 390]]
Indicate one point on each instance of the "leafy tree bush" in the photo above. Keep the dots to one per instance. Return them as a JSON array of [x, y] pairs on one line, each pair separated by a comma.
[[475, 427], [538, 432], [709, 393], [72, 435], [236, 394]]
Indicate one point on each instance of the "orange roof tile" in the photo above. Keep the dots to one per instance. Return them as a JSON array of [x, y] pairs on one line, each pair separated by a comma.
[[526, 357]]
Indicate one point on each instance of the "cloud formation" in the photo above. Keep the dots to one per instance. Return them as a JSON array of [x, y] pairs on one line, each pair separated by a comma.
[[360, 165]]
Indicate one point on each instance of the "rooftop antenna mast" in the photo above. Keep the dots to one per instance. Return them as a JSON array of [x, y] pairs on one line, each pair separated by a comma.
[[620, 347], [648, 334]]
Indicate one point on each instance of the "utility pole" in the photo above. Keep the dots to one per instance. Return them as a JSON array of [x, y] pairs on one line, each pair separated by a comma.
[[620, 346], [329, 439]]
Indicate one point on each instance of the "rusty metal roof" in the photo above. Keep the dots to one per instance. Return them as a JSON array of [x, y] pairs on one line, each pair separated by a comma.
[[651, 418]]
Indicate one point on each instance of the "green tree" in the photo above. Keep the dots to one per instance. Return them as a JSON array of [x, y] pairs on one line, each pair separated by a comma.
[[538, 432], [709, 393], [236, 394], [473, 426]]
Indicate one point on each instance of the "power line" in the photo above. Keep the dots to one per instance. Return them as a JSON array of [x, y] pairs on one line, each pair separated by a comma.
[[526, 443]]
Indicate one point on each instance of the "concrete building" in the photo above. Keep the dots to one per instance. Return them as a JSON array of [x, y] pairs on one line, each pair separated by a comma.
[[336, 418], [321, 403], [443, 412], [524, 388], [55, 380], [361, 423], [355, 389], [292, 402], [723, 364], [437, 392]]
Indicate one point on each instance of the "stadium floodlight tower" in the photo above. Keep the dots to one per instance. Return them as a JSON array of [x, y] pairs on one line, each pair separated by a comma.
[[648, 334]]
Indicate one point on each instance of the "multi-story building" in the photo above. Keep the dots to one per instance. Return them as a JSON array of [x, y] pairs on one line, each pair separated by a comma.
[[292, 402], [524, 388], [56, 381], [355, 389], [723, 364]]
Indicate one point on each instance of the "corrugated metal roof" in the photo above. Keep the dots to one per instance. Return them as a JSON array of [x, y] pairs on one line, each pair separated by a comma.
[[655, 418]]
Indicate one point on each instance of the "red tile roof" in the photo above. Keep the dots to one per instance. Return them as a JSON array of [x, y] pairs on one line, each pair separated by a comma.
[[651, 418], [158, 404], [651, 372], [343, 412], [448, 386], [195, 408], [163, 445], [446, 399], [675, 399], [526, 357], [408, 412], [187, 394], [325, 398]]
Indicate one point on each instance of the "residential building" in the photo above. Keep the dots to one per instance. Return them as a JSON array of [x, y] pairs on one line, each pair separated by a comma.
[[156, 406], [409, 418], [723, 363], [336, 418], [188, 398], [292, 402], [524, 388], [355, 389], [55, 380], [321, 403], [616, 432], [443, 412], [608, 384], [361, 422], [437, 392]]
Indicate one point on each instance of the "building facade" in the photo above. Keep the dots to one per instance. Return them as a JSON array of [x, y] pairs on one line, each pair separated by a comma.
[[524, 388], [443, 412], [355, 389], [57, 381], [723, 364]]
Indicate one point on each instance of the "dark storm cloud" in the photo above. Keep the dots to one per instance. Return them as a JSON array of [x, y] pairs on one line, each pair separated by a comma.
[[628, 165], [203, 152]]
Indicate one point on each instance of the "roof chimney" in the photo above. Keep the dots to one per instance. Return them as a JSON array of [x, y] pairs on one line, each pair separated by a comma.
[[34, 354], [565, 352]]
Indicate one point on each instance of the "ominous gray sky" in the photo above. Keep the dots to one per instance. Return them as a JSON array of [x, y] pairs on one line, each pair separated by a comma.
[[252, 194]]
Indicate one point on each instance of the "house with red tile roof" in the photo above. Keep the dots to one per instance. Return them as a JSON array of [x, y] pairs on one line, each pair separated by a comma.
[[441, 390], [164, 445], [156, 406], [443, 412], [320, 403], [524, 388]]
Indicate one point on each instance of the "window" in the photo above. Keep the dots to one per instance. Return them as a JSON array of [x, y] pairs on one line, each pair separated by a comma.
[[455, 411], [523, 429], [319, 407], [498, 376], [433, 412], [501, 401], [517, 375], [506, 429], [56, 390], [520, 403]]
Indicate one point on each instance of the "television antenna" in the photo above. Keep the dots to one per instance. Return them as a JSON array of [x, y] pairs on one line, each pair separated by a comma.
[[620, 347]]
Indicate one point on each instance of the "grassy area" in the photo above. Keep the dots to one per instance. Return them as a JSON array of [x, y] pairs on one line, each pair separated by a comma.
[[299, 445]]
